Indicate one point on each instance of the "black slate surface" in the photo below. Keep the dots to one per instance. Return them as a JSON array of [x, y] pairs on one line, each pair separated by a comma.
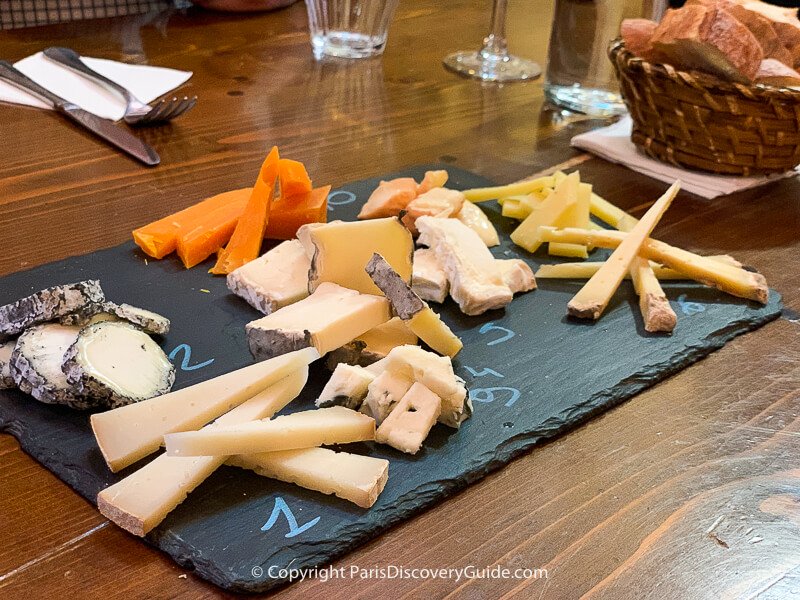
[[533, 374]]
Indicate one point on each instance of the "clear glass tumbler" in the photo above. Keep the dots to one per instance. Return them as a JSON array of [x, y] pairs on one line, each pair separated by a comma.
[[580, 75], [349, 28]]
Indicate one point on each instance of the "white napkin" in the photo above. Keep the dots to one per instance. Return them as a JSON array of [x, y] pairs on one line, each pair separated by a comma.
[[147, 83], [614, 143]]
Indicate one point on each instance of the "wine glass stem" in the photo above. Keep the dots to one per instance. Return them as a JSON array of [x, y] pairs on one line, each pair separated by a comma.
[[495, 46]]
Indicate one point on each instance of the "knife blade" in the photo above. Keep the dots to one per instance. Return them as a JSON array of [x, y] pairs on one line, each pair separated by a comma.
[[102, 128]]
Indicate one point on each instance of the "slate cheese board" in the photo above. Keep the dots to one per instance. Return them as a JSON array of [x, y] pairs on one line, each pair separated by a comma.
[[532, 373]]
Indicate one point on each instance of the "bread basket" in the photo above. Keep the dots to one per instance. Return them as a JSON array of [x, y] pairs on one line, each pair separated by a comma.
[[697, 121]]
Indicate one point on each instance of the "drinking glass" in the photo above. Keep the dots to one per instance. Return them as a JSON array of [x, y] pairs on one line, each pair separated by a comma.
[[349, 28], [580, 76], [493, 62]]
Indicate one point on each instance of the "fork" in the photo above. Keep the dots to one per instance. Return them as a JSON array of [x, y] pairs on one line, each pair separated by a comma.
[[136, 112]]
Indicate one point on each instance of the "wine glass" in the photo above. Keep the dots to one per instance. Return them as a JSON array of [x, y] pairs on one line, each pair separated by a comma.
[[493, 62]]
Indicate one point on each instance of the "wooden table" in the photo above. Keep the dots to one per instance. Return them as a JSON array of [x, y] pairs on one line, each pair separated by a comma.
[[690, 490]]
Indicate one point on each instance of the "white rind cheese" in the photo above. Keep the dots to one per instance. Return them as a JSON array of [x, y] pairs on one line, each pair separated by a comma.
[[475, 281], [144, 498], [340, 250], [129, 433], [429, 280], [347, 387], [275, 279], [473, 217], [48, 304], [307, 429], [6, 348], [516, 274], [411, 420], [329, 318], [358, 479]]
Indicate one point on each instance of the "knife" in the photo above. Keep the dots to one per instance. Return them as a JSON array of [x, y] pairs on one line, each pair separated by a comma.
[[102, 128]]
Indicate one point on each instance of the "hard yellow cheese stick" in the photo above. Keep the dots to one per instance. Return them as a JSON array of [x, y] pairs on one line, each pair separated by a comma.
[[307, 429], [584, 270], [592, 299], [549, 211], [359, 479], [131, 432], [144, 498], [513, 189], [653, 304], [733, 280]]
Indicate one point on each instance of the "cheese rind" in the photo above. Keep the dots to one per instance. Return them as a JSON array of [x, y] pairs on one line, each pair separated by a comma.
[[475, 282], [347, 387], [653, 304], [409, 423], [592, 299], [429, 280], [6, 348], [276, 279], [340, 250], [359, 479], [307, 429], [144, 498], [329, 318], [131, 432], [730, 279]]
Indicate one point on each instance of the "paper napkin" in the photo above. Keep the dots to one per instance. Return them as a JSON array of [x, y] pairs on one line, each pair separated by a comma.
[[147, 83], [614, 143]]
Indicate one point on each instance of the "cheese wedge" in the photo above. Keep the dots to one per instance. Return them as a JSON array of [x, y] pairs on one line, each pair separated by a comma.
[[473, 217], [516, 274], [416, 314], [347, 387], [584, 270], [340, 250], [429, 280], [307, 429], [329, 318], [613, 215], [359, 479], [653, 304], [373, 345], [131, 432], [145, 497], [592, 299], [557, 204], [409, 423], [475, 281], [576, 216], [275, 279]]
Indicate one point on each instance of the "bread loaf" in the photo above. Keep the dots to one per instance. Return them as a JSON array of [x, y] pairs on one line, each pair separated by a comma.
[[637, 34], [774, 72]]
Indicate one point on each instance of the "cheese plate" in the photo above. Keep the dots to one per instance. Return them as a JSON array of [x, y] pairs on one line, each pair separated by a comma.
[[532, 374]]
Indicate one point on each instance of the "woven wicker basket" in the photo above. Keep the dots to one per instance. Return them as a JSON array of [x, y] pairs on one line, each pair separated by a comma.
[[698, 121]]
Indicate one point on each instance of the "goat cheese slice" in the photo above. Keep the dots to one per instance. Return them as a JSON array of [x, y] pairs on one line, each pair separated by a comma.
[[6, 348], [48, 304], [275, 279], [429, 280], [146, 320], [475, 281], [117, 364]]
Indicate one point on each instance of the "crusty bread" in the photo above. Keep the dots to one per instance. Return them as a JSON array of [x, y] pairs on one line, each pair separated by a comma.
[[774, 72], [708, 39], [637, 34]]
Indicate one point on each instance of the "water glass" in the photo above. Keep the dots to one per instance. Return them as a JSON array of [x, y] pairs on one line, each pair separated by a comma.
[[580, 75], [349, 28]]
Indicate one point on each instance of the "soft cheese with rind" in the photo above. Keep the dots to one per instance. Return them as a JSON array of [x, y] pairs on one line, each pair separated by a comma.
[[306, 429], [475, 282], [6, 349], [144, 498], [117, 364], [276, 279], [131, 432], [429, 280], [36, 366], [48, 304], [359, 479], [411, 420], [346, 387], [516, 274], [329, 318]]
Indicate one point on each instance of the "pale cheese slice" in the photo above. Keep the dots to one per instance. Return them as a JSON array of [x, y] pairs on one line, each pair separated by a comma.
[[592, 299], [733, 280], [347, 387], [417, 315], [329, 318], [306, 429], [475, 281], [473, 217], [516, 274], [384, 393], [131, 432], [359, 479], [409, 423], [429, 280], [373, 345], [145, 497], [340, 250], [275, 279]]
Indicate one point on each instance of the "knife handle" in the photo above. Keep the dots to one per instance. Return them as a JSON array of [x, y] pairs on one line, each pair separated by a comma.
[[72, 60], [17, 78]]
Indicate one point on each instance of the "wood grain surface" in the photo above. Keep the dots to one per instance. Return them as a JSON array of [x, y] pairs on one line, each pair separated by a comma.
[[690, 490]]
